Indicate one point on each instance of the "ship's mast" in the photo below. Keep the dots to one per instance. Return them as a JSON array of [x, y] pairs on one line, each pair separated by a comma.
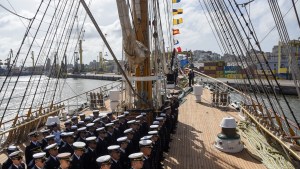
[[140, 13]]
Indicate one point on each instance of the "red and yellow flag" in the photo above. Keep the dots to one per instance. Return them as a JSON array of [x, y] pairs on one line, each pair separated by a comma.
[[176, 31]]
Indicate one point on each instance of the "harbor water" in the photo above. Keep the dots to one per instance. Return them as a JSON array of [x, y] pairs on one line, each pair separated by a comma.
[[12, 96]]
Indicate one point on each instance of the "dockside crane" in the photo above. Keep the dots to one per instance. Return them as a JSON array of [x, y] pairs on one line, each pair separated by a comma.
[[81, 65], [101, 59]]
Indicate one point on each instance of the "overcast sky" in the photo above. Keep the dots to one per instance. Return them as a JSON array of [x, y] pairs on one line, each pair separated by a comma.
[[195, 31]]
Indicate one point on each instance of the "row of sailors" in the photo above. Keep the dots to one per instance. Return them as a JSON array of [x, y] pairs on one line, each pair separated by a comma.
[[89, 124], [77, 160], [103, 132]]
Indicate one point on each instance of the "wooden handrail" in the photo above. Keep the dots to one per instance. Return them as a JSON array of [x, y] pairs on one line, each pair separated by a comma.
[[28, 122], [290, 121], [296, 155]]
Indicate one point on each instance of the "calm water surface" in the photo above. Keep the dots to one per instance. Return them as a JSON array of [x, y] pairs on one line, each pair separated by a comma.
[[42, 91]]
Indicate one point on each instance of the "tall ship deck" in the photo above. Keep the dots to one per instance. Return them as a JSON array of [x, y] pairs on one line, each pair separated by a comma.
[[162, 112], [193, 142]]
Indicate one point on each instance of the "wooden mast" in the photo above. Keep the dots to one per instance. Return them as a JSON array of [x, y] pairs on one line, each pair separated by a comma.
[[144, 88]]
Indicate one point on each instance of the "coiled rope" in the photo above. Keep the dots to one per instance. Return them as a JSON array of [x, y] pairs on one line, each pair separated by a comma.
[[269, 156]]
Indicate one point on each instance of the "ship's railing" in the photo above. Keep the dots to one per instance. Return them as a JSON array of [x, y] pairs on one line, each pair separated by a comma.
[[93, 99], [287, 143], [16, 129], [273, 134], [23, 125], [247, 98]]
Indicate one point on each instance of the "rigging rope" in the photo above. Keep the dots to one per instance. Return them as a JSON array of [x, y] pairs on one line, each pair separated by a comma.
[[239, 54], [258, 45], [79, 35], [275, 25], [50, 29], [25, 91], [29, 19], [15, 60], [110, 50], [64, 53], [213, 31], [296, 13]]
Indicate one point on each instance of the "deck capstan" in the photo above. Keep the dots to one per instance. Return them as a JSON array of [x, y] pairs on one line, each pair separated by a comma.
[[228, 140]]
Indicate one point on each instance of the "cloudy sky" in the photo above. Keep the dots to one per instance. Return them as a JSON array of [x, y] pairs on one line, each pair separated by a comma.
[[195, 31]]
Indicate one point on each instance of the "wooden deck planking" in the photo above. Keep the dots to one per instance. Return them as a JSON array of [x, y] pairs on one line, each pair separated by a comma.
[[192, 145]]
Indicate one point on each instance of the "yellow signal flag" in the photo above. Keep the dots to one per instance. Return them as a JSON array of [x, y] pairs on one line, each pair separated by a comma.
[[177, 11], [177, 21]]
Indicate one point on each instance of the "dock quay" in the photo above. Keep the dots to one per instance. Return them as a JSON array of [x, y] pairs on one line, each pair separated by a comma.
[[107, 76], [287, 86]]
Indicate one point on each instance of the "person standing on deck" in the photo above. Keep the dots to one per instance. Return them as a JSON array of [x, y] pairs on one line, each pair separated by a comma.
[[110, 116], [126, 113], [50, 139], [34, 146], [76, 158], [129, 134], [90, 155], [96, 114], [191, 77], [62, 139], [136, 135], [39, 160], [117, 131], [97, 123], [155, 153], [64, 160], [74, 120], [123, 125], [144, 124], [91, 130], [52, 161], [111, 137], [68, 125], [16, 158], [104, 161], [175, 76], [136, 160], [114, 152], [8, 162], [81, 134], [56, 132], [45, 133], [102, 144], [125, 163], [87, 120], [146, 148], [67, 147]]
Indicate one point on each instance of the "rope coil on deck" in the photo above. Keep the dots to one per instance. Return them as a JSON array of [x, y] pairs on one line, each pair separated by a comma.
[[259, 145]]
